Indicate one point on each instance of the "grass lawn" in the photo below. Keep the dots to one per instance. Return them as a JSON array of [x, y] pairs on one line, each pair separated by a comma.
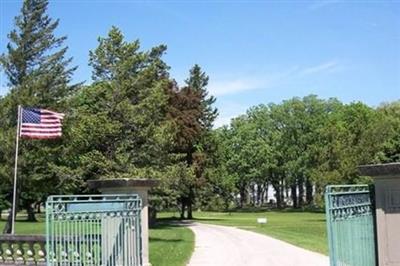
[[303, 229], [23, 227], [170, 245]]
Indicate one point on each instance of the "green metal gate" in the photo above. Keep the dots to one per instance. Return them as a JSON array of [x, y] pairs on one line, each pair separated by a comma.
[[93, 230], [350, 222]]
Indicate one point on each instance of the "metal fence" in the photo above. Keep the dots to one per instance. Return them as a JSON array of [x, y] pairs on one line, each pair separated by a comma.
[[350, 223], [93, 230]]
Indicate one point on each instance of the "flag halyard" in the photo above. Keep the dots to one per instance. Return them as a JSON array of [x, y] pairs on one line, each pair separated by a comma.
[[40, 123]]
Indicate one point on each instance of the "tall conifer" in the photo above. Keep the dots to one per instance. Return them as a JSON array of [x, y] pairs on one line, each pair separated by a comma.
[[39, 74]]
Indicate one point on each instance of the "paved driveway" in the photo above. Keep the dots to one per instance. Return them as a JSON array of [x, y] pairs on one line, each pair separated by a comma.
[[229, 246]]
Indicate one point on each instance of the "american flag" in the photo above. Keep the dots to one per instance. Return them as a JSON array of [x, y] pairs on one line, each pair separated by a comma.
[[40, 123]]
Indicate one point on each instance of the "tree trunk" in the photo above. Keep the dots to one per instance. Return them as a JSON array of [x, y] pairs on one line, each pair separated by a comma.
[[278, 195], [264, 194], [189, 211], [38, 207], [259, 194], [226, 203], [309, 191], [190, 204], [253, 195], [182, 208], [294, 195], [7, 226], [284, 189], [242, 196], [300, 184], [31, 213]]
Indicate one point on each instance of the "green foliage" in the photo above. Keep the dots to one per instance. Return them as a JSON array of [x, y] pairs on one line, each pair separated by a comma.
[[390, 121], [301, 145], [119, 122], [39, 75], [192, 114], [198, 81]]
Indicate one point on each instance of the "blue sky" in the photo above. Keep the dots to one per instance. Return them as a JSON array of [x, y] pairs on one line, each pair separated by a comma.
[[254, 51]]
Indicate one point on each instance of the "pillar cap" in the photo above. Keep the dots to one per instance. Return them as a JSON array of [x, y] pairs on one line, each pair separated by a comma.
[[122, 182], [387, 169]]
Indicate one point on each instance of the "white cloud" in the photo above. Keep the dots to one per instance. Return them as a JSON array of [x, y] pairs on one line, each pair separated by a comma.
[[247, 82], [219, 88], [329, 66]]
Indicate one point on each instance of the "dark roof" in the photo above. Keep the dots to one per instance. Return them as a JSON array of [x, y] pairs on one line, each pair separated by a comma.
[[380, 169]]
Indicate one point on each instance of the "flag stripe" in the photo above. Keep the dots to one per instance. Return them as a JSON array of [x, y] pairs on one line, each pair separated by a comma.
[[40, 130], [41, 134], [49, 120], [41, 126], [40, 137]]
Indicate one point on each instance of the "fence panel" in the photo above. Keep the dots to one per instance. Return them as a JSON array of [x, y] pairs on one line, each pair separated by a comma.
[[350, 223], [93, 230]]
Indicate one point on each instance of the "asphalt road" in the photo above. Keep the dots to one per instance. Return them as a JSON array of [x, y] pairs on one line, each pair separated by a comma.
[[229, 246]]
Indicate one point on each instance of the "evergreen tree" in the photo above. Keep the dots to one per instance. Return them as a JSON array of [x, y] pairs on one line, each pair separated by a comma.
[[198, 81], [120, 124], [199, 154], [39, 75], [193, 114]]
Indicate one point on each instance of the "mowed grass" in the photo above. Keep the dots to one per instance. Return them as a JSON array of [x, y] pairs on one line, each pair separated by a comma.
[[23, 227], [303, 229], [170, 245]]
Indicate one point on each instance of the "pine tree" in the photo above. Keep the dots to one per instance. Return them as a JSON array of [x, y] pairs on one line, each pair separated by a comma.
[[39, 75], [198, 154], [193, 114], [198, 81], [121, 129]]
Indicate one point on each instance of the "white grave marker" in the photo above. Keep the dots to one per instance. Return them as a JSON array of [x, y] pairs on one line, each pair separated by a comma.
[[262, 220]]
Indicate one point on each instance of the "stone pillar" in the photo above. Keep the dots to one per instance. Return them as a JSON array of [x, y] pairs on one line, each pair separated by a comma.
[[387, 199], [126, 186]]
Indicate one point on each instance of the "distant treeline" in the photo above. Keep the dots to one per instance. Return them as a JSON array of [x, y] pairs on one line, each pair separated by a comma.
[[301, 145]]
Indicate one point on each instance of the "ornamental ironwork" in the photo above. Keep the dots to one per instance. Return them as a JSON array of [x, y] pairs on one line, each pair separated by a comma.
[[93, 230], [350, 224]]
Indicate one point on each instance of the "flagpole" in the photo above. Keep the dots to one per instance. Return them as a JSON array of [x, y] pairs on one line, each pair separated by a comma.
[[15, 172]]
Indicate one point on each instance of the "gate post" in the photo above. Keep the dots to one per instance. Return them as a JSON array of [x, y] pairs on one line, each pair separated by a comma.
[[387, 199], [126, 185]]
